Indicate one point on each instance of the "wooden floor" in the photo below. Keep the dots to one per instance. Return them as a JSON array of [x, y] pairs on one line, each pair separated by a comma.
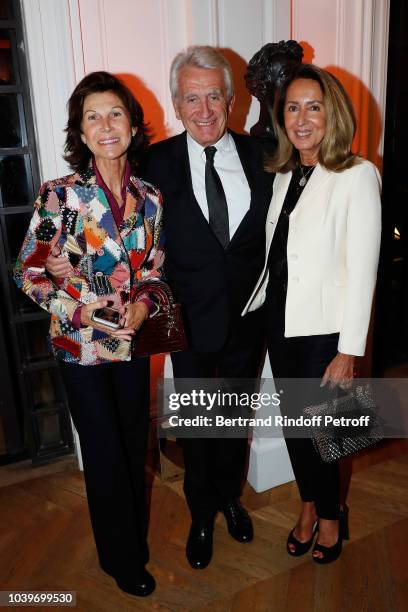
[[46, 544]]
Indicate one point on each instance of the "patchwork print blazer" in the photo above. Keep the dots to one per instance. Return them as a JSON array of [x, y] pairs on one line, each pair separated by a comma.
[[107, 261]]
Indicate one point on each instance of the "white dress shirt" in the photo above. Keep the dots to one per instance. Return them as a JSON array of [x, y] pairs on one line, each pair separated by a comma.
[[232, 175]]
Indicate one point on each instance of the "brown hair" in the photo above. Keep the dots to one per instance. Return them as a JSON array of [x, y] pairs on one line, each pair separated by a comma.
[[335, 150], [77, 153]]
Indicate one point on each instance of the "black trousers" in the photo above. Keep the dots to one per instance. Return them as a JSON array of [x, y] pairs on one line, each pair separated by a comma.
[[109, 404], [215, 467], [307, 357]]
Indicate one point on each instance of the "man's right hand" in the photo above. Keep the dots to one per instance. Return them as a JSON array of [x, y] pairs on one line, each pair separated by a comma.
[[57, 265]]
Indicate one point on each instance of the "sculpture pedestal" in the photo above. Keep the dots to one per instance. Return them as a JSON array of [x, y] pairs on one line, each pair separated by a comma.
[[269, 464]]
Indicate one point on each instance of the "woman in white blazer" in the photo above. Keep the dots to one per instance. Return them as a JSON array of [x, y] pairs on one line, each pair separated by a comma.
[[322, 245]]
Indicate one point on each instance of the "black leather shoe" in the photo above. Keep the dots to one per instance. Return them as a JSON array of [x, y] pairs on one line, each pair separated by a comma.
[[199, 547], [142, 586], [238, 521]]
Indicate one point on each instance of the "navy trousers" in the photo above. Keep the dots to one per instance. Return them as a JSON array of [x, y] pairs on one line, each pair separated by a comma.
[[109, 404], [215, 467]]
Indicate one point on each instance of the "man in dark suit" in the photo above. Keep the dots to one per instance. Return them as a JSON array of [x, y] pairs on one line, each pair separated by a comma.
[[216, 197]]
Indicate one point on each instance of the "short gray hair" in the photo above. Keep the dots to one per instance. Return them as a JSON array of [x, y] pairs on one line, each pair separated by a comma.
[[201, 56]]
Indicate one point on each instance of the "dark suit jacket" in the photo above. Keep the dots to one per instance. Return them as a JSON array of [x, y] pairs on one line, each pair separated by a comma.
[[211, 283]]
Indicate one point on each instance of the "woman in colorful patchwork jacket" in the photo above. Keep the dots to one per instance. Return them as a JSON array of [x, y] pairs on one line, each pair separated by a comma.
[[106, 223]]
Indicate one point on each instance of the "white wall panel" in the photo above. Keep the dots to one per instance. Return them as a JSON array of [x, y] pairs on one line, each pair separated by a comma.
[[314, 22], [241, 25], [276, 20], [132, 38], [76, 40], [205, 22], [52, 77], [240, 28], [351, 40], [139, 39]]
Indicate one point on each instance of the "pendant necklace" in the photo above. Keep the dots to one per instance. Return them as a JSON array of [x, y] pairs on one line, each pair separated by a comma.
[[303, 179]]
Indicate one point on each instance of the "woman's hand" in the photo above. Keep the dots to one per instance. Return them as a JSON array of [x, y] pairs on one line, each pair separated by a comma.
[[339, 371], [123, 333], [133, 315], [57, 265]]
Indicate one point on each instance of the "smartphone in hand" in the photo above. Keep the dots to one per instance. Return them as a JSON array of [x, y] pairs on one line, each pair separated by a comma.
[[106, 316]]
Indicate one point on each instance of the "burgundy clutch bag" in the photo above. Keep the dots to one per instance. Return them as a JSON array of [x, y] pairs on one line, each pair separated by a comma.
[[163, 332]]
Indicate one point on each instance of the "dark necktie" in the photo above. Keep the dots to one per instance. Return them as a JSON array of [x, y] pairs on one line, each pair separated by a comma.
[[216, 200]]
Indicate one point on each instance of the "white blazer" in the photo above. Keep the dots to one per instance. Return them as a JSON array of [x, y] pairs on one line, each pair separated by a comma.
[[332, 252]]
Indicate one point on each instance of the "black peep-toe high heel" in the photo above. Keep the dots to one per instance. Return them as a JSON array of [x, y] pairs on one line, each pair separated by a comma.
[[331, 553]]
